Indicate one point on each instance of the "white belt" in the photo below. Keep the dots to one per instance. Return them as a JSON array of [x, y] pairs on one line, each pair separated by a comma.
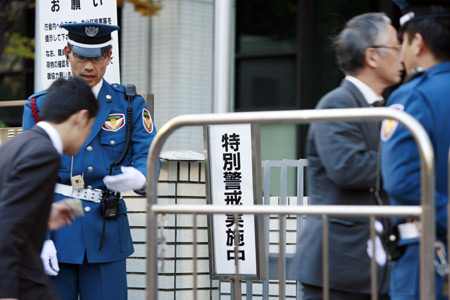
[[409, 230], [84, 194]]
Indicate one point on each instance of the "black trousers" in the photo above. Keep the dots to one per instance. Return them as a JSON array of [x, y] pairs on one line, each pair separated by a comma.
[[29, 290]]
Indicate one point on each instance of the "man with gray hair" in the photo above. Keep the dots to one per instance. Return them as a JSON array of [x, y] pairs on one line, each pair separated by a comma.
[[342, 158]]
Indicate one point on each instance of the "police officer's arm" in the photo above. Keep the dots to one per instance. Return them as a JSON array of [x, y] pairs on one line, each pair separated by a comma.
[[343, 151], [143, 133], [401, 161]]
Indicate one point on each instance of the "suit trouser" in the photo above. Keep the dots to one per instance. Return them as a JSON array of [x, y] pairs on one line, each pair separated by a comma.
[[29, 290], [92, 281]]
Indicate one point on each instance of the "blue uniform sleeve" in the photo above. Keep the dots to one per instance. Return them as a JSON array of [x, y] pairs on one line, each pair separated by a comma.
[[143, 133]]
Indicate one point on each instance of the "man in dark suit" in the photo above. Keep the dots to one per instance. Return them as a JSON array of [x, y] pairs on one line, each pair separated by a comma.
[[342, 159], [29, 166]]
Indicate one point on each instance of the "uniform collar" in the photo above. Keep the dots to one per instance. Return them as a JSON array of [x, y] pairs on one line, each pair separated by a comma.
[[441, 67], [96, 88], [365, 90], [53, 134]]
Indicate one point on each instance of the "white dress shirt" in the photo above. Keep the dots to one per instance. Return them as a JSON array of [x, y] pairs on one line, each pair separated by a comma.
[[367, 92], [53, 134]]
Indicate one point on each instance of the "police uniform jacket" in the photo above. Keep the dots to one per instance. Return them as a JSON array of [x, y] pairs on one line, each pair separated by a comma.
[[426, 98], [103, 146], [342, 164]]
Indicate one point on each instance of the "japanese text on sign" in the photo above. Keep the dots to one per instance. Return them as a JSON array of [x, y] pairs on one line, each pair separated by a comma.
[[51, 62], [231, 183]]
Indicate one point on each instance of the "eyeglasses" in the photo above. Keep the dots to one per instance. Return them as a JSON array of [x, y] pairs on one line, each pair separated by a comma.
[[398, 48], [97, 60]]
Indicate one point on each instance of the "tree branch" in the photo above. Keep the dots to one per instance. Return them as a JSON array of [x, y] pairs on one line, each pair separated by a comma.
[[6, 35]]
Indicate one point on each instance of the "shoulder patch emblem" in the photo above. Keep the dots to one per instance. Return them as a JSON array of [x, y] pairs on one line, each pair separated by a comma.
[[114, 122], [388, 127], [147, 121]]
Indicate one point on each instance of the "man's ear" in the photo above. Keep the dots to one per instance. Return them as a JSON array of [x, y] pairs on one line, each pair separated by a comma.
[[109, 55], [419, 44], [66, 51], [371, 56], [81, 117]]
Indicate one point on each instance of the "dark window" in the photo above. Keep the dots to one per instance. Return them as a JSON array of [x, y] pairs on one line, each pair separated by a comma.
[[17, 74], [266, 83], [266, 54], [284, 54]]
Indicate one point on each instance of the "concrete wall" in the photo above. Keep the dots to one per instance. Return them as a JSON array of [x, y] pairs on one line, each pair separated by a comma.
[[171, 56]]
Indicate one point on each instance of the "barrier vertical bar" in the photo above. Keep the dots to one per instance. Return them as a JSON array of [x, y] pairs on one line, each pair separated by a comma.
[[427, 273], [265, 288], [325, 258], [281, 257], [282, 232], [302, 163], [236, 281], [373, 264], [194, 235]]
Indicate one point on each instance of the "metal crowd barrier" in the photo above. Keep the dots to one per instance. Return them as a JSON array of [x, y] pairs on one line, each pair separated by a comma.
[[282, 271], [425, 211], [12, 103]]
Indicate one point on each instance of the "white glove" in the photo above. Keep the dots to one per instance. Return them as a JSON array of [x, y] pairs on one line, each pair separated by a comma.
[[130, 179], [49, 259], [380, 254]]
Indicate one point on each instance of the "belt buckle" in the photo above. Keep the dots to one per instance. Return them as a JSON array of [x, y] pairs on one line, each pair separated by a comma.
[[95, 195]]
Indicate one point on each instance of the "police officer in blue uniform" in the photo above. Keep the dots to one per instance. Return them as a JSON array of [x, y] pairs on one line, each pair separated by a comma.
[[425, 33], [88, 259]]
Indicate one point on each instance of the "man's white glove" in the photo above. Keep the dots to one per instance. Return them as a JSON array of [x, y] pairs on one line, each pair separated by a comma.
[[49, 259], [130, 179], [380, 254]]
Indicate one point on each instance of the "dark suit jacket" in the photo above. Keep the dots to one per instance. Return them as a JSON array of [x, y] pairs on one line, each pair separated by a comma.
[[28, 172], [342, 167]]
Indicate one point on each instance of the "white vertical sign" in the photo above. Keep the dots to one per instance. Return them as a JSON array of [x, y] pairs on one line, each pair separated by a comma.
[[231, 182], [50, 61]]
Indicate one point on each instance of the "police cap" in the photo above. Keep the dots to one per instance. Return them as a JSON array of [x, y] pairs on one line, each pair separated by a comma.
[[90, 39], [413, 10]]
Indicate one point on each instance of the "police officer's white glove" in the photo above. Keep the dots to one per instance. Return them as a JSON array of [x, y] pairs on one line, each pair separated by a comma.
[[130, 179], [380, 254], [49, 259]]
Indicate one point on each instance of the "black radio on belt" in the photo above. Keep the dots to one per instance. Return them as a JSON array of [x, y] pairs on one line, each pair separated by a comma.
[[110, 209], [110, 204]]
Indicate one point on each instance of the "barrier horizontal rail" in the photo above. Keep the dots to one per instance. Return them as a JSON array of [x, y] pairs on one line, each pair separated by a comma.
[[427, 288], [314, 210], [12, 103]]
